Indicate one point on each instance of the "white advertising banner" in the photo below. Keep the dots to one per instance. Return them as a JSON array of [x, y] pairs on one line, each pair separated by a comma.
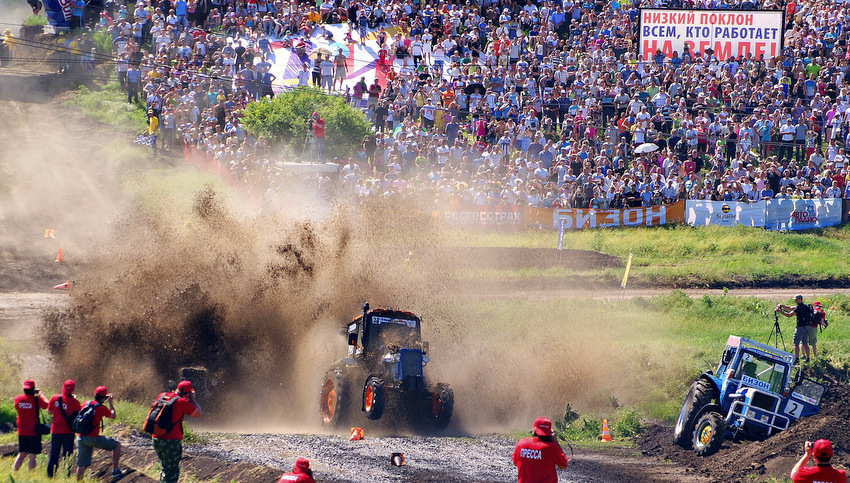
[[728, 33], [803, 214], [702, 213]]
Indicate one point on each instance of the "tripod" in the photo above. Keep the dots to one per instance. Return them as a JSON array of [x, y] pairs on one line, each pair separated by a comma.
[[777, 330], [309, 148]]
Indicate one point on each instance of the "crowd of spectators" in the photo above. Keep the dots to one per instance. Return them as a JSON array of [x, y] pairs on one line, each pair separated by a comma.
[[510, 102]]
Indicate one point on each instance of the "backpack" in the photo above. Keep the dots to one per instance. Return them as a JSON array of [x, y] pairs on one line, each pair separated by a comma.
[[807, 317], [158, 421], [84, 422]]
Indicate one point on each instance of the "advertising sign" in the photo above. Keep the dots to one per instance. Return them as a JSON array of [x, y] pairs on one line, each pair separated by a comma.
[[486, 216], [703, 213], [644, 216], [803, 214], [728, 33]]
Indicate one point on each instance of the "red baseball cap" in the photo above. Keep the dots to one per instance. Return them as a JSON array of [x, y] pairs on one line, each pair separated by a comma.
[[29, 384], [184, 387], [817, 304], [100, 391], [822, 449], [69, 386], [542, 427], [302, 464]]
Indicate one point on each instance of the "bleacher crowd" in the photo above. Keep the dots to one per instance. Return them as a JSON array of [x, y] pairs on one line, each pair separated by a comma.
[[502, 102]]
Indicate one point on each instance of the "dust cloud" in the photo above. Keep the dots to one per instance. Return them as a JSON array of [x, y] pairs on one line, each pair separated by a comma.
[[256, 291]]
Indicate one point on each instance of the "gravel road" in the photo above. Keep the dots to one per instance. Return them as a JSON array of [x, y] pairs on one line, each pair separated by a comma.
[[483, 458]]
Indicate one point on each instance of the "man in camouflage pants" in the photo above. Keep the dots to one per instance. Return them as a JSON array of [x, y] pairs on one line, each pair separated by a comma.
[[169, 446]]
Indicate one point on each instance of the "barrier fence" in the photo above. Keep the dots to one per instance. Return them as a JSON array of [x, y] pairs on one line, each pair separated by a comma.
[[790, 214]]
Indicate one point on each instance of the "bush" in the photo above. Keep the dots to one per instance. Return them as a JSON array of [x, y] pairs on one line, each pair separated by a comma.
[[628, 424], [283, 120]]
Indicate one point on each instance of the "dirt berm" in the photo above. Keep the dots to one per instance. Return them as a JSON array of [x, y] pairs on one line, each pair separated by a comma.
[[774, 456]]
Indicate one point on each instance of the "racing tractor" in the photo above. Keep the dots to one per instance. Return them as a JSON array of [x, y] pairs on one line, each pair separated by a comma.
[[751, 396], [383, 372]]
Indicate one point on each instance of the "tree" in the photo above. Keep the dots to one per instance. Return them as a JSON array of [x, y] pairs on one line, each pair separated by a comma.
[[283, 120]]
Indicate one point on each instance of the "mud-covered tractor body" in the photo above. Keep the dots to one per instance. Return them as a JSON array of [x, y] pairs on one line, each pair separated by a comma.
[[384, 370], [749, 396]]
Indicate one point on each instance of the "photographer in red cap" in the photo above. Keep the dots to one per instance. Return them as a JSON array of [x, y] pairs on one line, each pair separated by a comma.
[[64, 408], [823, 471], [169, 446], [86, 443], [301, 472], [29, 441], [537, 457]]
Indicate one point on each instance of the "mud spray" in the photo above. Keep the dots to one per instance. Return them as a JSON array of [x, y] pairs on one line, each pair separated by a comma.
[[256, 291]]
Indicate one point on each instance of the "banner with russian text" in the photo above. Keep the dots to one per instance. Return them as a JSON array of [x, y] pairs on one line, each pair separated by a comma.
[[644, 216], [486, 216], [703, 213], [728, 33], [803, 214]]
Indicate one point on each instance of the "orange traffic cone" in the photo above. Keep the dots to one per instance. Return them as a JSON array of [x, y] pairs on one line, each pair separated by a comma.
[[48, 234], [59, 257], [63, 286], [356, 434], [606, 435]]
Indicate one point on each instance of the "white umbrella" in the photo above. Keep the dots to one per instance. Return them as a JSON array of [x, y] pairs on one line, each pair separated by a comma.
[[646, 148]]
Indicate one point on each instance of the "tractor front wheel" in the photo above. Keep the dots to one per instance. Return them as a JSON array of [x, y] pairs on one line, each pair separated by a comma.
[[709, 434], [701, 393], [374, 398]]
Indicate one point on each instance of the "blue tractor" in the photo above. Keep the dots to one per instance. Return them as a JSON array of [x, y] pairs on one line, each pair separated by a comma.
[[750, 396], [384, 371]]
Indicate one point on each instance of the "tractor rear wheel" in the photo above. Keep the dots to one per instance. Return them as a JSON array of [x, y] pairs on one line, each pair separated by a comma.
[[334, 400], [701, 393], [442, 406], [374, 398], [709, 434]]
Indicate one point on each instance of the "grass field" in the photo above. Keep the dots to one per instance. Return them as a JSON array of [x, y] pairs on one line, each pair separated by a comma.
[[643, 353], [684, 256]]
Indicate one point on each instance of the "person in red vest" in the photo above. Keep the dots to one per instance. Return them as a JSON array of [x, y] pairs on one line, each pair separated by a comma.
[[169, 446], [27, 406], [300, 473], [537, 457], [821, 453], [64, 408]]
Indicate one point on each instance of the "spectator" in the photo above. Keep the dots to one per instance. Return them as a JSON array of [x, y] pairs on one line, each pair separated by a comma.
[[537, 457], [64, 408], [821, 453], [169, 446], [301, 472], [86, 443], [801, 334], [27, 406]]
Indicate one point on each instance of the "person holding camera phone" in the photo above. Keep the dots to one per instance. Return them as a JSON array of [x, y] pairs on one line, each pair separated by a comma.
[[821, 453], [86, 443], [537, 457], [169, 446], [27, 406]]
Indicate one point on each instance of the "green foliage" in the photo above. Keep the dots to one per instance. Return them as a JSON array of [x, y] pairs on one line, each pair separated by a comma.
[[34, 20], [108, 105], [39, 474], [103, 41], [627, 424], [283, 120], [580, 429], [7, 411]]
